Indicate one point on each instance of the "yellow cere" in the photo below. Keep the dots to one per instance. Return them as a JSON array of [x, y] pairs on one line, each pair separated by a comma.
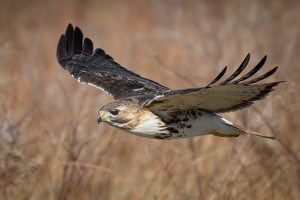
[[101, 113]]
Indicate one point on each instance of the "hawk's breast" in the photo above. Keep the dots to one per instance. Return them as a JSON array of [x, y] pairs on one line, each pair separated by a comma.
[[149, 125]]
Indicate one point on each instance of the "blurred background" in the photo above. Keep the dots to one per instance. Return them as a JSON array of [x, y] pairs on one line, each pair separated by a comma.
[[52, 148]]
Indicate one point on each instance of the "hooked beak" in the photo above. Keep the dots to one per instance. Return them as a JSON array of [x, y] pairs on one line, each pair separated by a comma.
[[99, 119], [102, 118]]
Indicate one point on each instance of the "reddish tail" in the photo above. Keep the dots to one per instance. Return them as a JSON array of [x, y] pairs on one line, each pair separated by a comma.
[[253, 132]]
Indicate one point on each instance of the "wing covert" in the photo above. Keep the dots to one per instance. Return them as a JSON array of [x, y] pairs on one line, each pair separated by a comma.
[[98, 69]]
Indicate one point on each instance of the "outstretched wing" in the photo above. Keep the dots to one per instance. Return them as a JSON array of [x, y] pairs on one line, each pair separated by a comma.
[[99, 69], [227, 96]]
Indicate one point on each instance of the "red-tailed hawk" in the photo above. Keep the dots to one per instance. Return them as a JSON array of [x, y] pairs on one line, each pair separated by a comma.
[[148, 109]]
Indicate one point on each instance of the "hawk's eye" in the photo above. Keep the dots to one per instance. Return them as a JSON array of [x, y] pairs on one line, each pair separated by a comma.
[[114, 112]]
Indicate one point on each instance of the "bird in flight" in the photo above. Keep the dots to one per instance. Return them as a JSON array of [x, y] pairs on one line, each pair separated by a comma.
[[146, 108]]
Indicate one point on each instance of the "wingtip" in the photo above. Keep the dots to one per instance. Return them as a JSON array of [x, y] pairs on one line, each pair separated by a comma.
[[264, 59], [218, 77], [238, 71], [248, 56], [272, 71], [61, 48], [88, 47], [70, 39], [70, 43], [65, 45], [78, 37], [69, 29]]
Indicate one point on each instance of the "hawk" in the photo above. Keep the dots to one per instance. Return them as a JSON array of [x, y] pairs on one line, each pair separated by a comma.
[[146, 108]]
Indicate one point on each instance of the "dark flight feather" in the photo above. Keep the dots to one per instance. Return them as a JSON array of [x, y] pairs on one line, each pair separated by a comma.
[[238, 71], [218, 77], [77, 41], [88, 47], [266, 75], [253, 71]]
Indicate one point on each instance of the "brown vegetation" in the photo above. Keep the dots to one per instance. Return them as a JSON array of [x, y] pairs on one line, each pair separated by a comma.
[[52, 148]]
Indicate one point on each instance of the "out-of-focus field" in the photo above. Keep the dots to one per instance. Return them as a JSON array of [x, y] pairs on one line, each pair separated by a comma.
[[51, 146]]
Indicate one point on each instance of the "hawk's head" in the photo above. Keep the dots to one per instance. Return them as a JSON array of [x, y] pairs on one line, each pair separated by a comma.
[[119, 114]]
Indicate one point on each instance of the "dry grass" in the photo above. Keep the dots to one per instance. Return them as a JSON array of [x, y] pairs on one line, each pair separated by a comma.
[[52, 148]]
